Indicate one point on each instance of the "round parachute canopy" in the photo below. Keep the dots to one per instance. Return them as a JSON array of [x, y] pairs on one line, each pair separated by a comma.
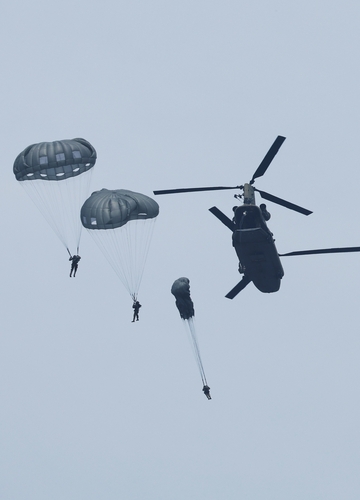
[[56, 175], [55, 161], [107, 209], [122, 223]]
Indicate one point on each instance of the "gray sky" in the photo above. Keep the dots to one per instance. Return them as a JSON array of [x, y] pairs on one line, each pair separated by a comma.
[[178, 94]]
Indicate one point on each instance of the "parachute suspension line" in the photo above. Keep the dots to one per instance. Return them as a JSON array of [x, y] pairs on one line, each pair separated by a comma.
[[40, 195], [81, 196], [126, 249], [139, 234], [77, 192], [197, 351], [109, 244], [68, 251], [60, 202], [195, 347]]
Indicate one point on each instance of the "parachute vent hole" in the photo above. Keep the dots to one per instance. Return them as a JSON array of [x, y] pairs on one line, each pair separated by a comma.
[[60, 174], [43, 175], [76, 169], [29, 175], [87, 164], [93, 221]]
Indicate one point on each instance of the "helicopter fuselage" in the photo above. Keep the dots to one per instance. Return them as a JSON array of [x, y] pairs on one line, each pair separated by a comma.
[[255, 247]]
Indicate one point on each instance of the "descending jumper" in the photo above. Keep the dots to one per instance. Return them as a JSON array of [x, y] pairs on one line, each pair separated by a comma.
[[181, 291], [56, 175], [121, 223]]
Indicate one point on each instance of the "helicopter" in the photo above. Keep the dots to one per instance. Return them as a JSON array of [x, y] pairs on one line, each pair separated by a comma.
[[254, 243]]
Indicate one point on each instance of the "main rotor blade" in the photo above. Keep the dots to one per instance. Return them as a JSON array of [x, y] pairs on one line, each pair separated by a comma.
[[268, 157], [237, 288], [284, 203], [321, 250], [223, 218], [193, 190]]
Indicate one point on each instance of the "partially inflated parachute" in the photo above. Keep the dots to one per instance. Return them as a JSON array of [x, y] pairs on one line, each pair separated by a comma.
[[181, 291], [121, 223], [57, 177]]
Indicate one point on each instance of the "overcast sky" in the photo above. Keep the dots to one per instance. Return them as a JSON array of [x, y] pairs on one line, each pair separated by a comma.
[[179, 94]]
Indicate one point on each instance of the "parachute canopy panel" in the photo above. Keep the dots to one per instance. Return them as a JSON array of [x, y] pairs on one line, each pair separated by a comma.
[[110, 209], [55, 161]]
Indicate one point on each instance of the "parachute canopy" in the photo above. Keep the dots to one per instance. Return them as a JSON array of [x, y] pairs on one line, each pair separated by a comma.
[[181, 290], [107, 209], [56, 175], [55, 161], [121, 222]]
